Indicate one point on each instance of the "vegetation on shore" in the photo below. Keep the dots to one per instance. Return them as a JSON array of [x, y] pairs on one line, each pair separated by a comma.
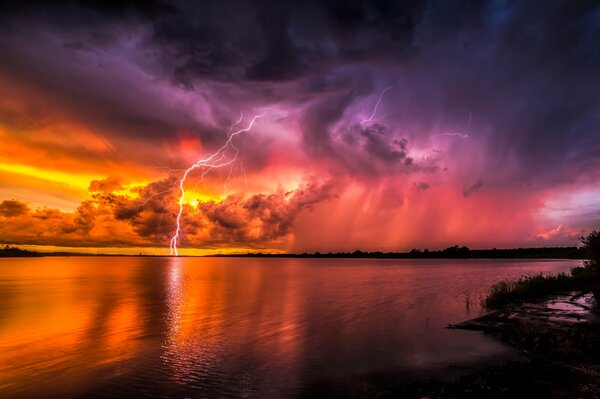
[[14, 252], [538, 287], [453, 252]]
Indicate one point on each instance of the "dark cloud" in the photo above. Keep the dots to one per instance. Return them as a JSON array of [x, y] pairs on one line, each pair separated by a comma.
[[420, 186], [469, 189], [531, 92], [108, 185], [261, 217], [10, 208], [260, 48], [264, 41], [529, 95], [152, 215], [372, 150], [282, 40], [377, 145]]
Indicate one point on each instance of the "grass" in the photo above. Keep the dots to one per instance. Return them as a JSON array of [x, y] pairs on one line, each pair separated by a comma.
[[526, 289], [538, 287]]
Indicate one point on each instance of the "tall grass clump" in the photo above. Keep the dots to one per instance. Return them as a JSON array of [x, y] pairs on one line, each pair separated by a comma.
[[526, 289], [538, 287]]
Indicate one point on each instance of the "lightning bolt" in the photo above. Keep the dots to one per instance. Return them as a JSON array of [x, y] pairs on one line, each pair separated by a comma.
[[459, 134], [370, 118], [217, 160]]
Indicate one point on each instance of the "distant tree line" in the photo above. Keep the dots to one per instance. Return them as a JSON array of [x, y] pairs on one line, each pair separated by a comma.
[[453, 252], [14, 252]]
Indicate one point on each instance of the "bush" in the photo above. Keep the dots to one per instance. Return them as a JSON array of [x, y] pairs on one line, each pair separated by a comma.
[[538, 287], [591, 245], [527, 288]]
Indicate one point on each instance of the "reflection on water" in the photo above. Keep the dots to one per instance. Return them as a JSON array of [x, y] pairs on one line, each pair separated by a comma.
[[230, 327]]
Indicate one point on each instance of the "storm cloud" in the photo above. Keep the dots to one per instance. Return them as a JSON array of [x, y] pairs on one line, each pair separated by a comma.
[[530, 93], [110, 219], [377, 94]]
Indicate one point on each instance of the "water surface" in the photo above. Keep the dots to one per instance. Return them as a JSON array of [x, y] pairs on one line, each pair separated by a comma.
[[236, 327]]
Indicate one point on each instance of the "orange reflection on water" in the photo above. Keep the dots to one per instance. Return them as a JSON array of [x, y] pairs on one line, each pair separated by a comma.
[[61, 320], [213, 312]]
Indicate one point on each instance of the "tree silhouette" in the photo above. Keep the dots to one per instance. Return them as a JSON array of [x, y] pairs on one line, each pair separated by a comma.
[[591, 245]]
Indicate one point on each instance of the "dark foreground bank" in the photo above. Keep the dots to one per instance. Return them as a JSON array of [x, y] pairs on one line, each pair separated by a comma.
[[560, 349], [554, 321]]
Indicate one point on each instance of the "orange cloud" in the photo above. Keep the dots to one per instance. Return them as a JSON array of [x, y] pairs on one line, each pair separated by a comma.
[[106, 186], [111, 219]]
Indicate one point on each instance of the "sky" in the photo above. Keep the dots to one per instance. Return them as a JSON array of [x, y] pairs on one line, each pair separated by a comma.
[[372, 125]]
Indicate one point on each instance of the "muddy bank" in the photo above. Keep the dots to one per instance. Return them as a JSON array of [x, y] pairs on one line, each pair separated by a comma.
[[558, 313], [560, 339]]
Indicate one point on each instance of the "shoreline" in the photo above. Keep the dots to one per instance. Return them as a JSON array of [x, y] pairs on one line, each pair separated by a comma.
[[455, 252], [559, 340]]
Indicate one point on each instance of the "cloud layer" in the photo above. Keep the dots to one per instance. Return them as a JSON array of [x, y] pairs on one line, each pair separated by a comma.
[[255, 222], [402, 108]]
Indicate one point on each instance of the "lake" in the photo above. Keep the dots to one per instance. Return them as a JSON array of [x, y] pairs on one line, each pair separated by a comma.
[[238, 327]]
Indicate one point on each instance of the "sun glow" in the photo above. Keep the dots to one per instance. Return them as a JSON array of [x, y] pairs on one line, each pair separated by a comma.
[[72, 180]]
